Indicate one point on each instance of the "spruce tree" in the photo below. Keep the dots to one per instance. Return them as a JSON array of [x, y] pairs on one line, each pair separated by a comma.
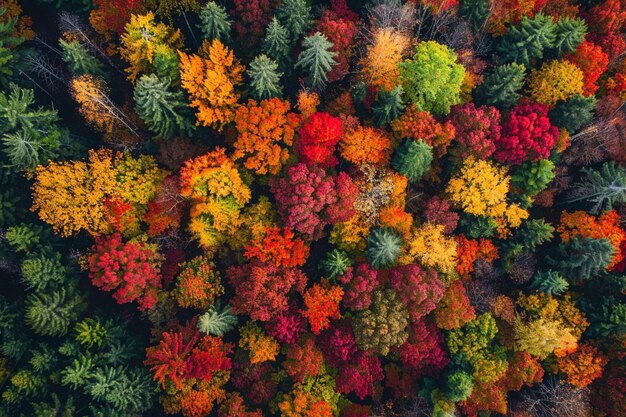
[[52, 313], [570, 32], [217, 321], [296, 16], [161, 109], [317, 59], [549, 282], [215, 22], [41, 272], [528, 41], [603, 187], [276, 43], [475, 12], [582, 258], [383, 248], [412, 159], [265, 78], [79, 60], [388, 106], [574, 113], [336, 263], [501, 88]]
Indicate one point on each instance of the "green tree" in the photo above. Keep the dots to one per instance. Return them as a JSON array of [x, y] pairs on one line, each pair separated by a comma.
[[217, 321], [459, 386], [276, 43], [501, 88], [389, 106], [383, 248], [42, 272], [475, 12], [51, 314], [532, 177], [163, 111], [215, 22], [603, 187], [570, 32], [528, 41], [317, 59], [574, 113], [582, 258], [549, 282], [432, 78], [296, 16], [412, 159], [30, 136], [79, 60], [265, 78], [336, 263]]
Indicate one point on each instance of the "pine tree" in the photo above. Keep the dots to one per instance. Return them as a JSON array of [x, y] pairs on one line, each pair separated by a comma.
[[41, 272], [570, 32], [78, 59], [475, 12], [276, 43], [582, 258], [265, 78], [574, 113], [388, 106], [501, 88], [412, 159], [336, 263], [161, 109], [296, 16], [317, 59], [528, 41], [604, 187], [532, 177], [217, 321], [383, 248], [215, 22], [549, 282], [51, 314]]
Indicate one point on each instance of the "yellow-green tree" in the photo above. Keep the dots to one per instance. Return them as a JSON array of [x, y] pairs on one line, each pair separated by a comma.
[[555, 81]]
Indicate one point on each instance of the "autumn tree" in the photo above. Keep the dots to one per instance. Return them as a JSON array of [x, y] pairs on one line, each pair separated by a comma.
[[555, 81], [477, 130], [198, 284], [364, 145], [384, 53], [432, 79], [211, 84], [321, 303]]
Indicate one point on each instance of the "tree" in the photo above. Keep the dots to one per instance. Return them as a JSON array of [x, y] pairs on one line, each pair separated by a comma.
[[211, 84], [527, 135], [316, 58], [412, 159], [321, 303], [30, 136], [582, 258], [341, 31], [419, 289], [475, 12], [276, 43], [365, 145], [198, 284], [555, 81], [79, 59], [603, 187], [459, 386], [279, 247], [161, 109], [384, 53], [150, 47], [303, 359], [265, 131], [421, 125], [454, 309], [582, 366], [383, 248], [542, 337], [217, 321], [251, 17], [388, 106], [501, 87], [337, 262], [574, 113], [52, 313], [260, 346], [531, 178], [477, 130], [360, 376], [570, 32], [41, 272], [358, 283], [215, 23], [428, 246], [550, 282], [593, 61], [319, 135], [264, 78], [528, 41], [296, 16], [383, 325]]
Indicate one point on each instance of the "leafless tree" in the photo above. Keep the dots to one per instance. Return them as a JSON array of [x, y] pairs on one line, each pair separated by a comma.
[[392, 14], [46, 68], [554, 397]]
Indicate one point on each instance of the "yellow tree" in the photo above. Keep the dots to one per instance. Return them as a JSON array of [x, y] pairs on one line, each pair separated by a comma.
[[380, 63], [211, 84], [555, 81], [431, 248], [148, 47]]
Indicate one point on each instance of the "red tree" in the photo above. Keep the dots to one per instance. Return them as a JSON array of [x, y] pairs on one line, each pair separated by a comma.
[[593, 61], [319, 136], [281, 249], [287, 326], [454, 309], [303, 359], [477, 130], [338, 343], [423, 352], [360, 375], [251, 17], [420, 290], [340, 29], [439, 211], [358, 284]]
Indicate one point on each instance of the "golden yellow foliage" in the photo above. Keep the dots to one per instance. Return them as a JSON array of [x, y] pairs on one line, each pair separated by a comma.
[[260, 346], [431, 248], [307, 103], [351, 235], [137, 179], [555, 81], [365, 145], [211, 84], [380, 64]]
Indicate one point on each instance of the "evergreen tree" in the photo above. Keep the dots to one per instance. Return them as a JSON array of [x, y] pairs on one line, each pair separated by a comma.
[[78, 59], [51, 314], [528, 41], [296, 16], [217, 321], [215, 22], [574, 113], [459, 386], [162, 110], [412, 159], [336, 263], [383, 248], [265, 78], [475, 12], [276, 43], [317, 59], [570, 32], [41, 272], [603, 187], [582, 258], [501, 88], [608, 317], [549, 282], [533, 177], [388, 106]]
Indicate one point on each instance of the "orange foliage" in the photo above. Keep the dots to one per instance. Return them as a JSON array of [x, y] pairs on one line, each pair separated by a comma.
[[278, 248], [22, 28], [261, 128], [260, 346], [396, 218], [322, 304], [582, 366], [303, 404], [421, 125], [307, 103], [469, 251], [211, 84], [579, 223], [365, 145]]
